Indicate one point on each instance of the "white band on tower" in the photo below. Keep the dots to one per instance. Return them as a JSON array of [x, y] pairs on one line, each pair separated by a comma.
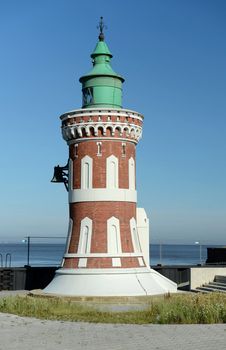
[[103, 194]]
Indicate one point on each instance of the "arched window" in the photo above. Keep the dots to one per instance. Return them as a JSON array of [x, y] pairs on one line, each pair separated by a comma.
[[113, 236], [112, 172], [134, 234], [131, 174], [114, 240], [84, 245], [86, 169], [86, 172]]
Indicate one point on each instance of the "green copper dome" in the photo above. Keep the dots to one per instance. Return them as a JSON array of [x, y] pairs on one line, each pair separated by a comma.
[[101, 87], [100, 49]]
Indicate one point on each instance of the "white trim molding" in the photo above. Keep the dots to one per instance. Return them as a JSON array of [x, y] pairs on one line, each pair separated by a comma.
[[103, 194], [143, 233], [82, 262], [134, 235], [84, 245], [116, 262], [103, 255], [132, 174], [82, 130], [110, 271], [70, 226], [100, 138], [79, 113], [76, 126], [141, 262]]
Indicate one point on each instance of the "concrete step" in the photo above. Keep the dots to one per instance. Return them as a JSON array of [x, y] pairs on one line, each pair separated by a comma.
[[200, 290], [221, 279], [206, 288], [217, 285], [213, 288]]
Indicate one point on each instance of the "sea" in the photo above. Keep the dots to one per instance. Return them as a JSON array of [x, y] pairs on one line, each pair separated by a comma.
[[50, 254]]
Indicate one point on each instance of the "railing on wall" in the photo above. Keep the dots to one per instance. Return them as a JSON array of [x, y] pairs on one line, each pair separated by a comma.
[[49, 250], [160, 254], [44, 250], [179, 254], [8, 260]]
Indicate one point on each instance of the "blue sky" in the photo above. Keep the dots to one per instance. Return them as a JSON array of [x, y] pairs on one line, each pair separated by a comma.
[[173, 57]]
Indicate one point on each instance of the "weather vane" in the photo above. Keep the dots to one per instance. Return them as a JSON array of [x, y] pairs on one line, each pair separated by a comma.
[[101, 26]]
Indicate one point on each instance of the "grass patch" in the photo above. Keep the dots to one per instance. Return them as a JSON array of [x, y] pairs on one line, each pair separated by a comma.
[[170, 309]]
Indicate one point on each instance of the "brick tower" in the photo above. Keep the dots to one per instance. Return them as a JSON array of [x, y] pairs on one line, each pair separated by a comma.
[[107, 250]]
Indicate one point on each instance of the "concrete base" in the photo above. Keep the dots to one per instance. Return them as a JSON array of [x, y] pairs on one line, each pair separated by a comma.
[[109, 282]]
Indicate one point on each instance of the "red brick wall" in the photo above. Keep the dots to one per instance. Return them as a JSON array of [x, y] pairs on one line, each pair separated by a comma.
[[71, 263], [129, 262], [99, 213], [99, 263], [89, 148]]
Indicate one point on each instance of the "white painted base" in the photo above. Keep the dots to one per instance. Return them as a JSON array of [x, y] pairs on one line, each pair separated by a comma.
[[109, 282]]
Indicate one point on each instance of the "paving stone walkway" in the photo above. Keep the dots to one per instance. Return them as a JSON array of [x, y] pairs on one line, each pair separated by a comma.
[[22, 333]]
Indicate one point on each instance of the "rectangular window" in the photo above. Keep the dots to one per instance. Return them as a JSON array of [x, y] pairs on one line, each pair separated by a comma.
[[76, 150], [99, 148], [123, 149]]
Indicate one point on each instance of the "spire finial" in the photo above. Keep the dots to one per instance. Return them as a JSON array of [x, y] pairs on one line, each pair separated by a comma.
[[101, 26]]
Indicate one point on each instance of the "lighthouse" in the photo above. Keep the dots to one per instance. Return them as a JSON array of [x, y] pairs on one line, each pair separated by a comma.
[[107, 249]]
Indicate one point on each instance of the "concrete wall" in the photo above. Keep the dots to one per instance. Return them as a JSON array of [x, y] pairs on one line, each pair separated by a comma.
[[179, 275], [16, 278], [12, 278], [29, 278], [202, 275]]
